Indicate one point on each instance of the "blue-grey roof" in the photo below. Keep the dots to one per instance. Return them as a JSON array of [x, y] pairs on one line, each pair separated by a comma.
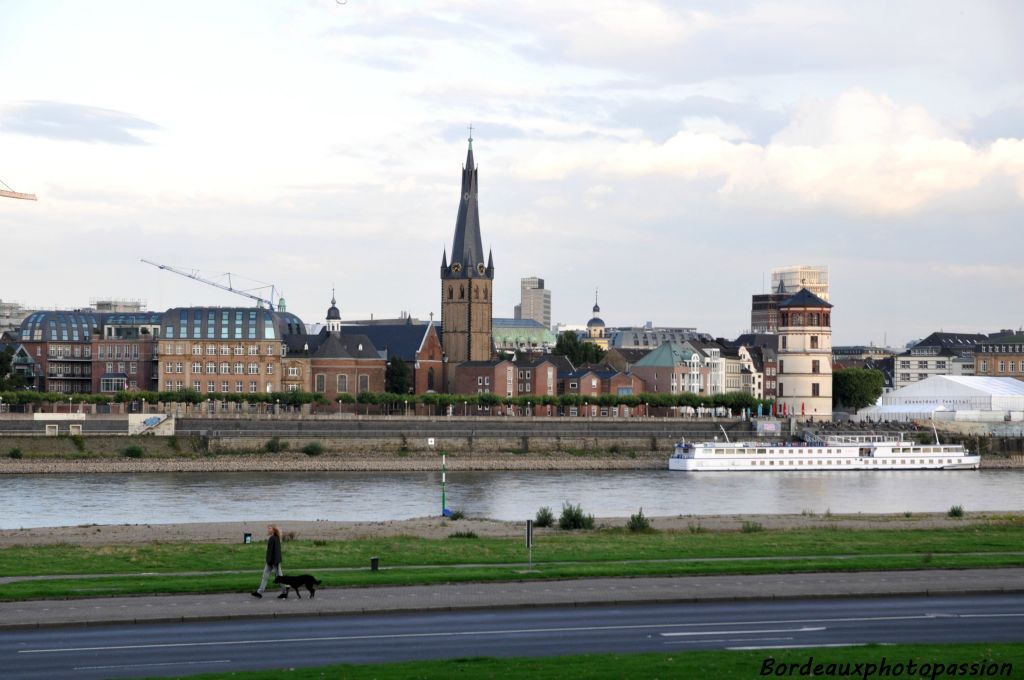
[[229, 323], [402, 340], [804, 298], [60, 326]]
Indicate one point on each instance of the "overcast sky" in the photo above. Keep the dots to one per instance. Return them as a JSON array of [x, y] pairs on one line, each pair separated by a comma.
[[667, 153]]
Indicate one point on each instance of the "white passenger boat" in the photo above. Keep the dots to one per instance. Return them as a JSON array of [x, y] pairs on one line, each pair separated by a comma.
[[852, 452]]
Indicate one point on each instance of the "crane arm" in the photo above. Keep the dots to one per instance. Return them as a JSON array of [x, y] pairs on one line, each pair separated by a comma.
[[194, 275], [17, 194]]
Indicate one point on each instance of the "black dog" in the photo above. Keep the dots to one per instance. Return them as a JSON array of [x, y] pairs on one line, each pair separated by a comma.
[[295, 582]]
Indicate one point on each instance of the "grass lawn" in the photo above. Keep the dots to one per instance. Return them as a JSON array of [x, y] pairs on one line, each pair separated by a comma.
[[993, 660], [117, 569]]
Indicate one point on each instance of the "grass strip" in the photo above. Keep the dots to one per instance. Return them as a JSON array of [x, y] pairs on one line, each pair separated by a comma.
[[598, 546], [979, 660], [110, 586]]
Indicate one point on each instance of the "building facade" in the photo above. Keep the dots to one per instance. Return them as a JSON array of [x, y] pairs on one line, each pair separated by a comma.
[[534, 301], [804, 387], [1001, 356], [940, 353], [224, 349], [466, 281]]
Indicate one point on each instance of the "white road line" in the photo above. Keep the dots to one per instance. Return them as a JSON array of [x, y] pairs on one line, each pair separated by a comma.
[[148, 665], [704, 642], [988, 616], [805, 629]]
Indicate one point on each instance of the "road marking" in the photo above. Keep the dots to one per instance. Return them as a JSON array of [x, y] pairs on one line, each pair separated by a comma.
[[834, 644], [704, 642], [149, 665], [805, 629]]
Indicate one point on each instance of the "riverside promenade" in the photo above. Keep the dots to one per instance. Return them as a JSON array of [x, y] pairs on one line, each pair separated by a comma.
[[467, 596]]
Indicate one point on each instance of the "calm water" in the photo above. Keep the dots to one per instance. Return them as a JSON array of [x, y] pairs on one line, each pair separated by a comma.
[[59, 500]]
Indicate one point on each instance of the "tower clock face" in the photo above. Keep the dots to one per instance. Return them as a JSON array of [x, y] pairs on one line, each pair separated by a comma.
[[481, 268], [456, 267]]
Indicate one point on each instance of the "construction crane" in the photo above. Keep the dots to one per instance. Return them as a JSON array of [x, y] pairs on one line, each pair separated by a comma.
[[8, 192], [194, 275]]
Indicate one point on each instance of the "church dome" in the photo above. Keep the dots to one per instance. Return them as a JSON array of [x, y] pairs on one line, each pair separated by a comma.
[[596, 321]]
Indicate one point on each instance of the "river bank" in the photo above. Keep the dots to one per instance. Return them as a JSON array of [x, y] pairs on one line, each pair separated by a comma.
[[437, 527], [378, 462]]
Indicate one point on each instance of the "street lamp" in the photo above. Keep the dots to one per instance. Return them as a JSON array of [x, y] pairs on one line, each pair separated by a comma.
[[529, 408], [143, 404], [406, 408], [69, 404], [465, 408], [647, 409], [277, 407]]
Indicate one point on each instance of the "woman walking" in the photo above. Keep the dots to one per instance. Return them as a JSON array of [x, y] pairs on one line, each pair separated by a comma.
[[273, 564]]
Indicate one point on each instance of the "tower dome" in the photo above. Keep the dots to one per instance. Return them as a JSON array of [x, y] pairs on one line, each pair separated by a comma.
[[333, 315]]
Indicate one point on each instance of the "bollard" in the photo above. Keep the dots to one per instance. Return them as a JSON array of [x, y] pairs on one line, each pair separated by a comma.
[[374, 563], [247, 538]]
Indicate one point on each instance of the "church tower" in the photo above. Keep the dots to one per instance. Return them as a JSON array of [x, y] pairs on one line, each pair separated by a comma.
[[333, 316], [466, 281]]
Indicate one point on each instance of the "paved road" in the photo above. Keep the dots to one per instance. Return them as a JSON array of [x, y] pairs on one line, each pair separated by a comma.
[[185, 608], [178, 649]]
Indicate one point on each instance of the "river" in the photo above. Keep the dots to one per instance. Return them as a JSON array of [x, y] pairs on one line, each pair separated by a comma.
[[161, 498]]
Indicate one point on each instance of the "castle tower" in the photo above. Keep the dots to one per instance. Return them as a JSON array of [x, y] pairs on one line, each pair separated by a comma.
[[805, 356], [333, 316], [466, 281]]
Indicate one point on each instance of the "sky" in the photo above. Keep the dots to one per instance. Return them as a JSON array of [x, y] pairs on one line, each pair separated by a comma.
[[668, 154]]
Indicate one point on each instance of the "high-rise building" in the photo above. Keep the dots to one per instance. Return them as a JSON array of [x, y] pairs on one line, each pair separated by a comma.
[[534, 301], [791, 279], [466, 281]]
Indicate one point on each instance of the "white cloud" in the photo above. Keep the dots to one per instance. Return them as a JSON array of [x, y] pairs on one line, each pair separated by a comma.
[[861, 153]]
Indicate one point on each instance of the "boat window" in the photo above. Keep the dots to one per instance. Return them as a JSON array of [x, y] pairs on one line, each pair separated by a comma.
[[916, 450], [719, 452], [761, 451]]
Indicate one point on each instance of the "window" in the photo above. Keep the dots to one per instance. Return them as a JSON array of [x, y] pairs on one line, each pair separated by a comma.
[[211, 367], [781, 391], [320, 383], [782, 366], [342, 384], [1013, 367], [814, 342], [922, 364], [239, 350], [293, 388], [815, 390], [815, 366], [196, 367], [293, 371], [254, 369], [225, 351], [984, 365], [197, 350], [479, 380], [1002, 366], [224, 386], [225, 368], [573, 385], [239, 369], [197, 386], [133, 368], [211, 350], [179, 347], [784, 343], [211, 386], [252, 387], [168, 367], [254, 350], [238, 386], [270, 369], [364, 383]]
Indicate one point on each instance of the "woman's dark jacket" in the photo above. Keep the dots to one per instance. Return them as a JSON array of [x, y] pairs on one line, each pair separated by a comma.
[[273, 550]]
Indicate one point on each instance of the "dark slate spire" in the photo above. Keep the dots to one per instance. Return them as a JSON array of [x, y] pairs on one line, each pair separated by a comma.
[[467, 246], [490, 263], [444, 260]]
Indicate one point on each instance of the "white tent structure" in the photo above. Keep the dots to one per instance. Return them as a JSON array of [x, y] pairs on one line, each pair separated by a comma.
[[951, 397]]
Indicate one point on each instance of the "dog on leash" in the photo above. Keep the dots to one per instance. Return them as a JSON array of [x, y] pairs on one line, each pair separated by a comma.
[[295, 582]]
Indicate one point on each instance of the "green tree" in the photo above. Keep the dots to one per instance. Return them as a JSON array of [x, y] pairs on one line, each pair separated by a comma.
[[398, 377], [8, 380], [856, 388], [578, 353]]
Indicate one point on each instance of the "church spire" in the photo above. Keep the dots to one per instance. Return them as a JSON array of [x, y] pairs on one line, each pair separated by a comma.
[[467, 246]]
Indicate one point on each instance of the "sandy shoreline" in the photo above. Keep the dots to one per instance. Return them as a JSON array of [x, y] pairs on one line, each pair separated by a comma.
[[431, 527]]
